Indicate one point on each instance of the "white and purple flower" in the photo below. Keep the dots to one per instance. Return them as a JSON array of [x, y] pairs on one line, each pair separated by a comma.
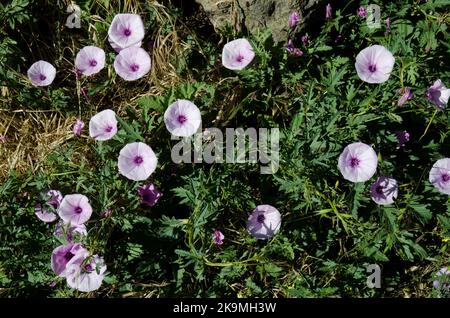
[[374, 64], [438, 94], [264, 222], [440, 175], [358, 162], [384, 191], [237, 54], [137, 161], [41, 73]]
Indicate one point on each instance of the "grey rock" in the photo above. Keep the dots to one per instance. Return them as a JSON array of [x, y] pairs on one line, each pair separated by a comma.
[[252, 15]]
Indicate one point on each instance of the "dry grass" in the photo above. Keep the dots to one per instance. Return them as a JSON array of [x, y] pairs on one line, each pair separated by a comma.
[[30, 137]]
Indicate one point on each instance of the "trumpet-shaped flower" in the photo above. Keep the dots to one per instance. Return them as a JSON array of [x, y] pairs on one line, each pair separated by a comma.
[[103, 126], [41, 73], [237, 54], [358, 162], [137, 161], [374, 64], [384, 191], [440, 175], [90, 60], [264, 222], [132, 63], [182, 118]]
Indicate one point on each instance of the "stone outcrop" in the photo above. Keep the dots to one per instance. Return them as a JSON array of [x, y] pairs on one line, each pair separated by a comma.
[[252, 15]]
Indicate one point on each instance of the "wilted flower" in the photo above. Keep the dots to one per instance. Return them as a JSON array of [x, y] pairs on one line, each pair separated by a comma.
[[294, 19], [388, 25], [126, 30], [90, 60], [132, 63], [406, 95], [86, 274], [2, 138], [362, 12], [84, 91], [358, 162], [150, 194], [47, 211], [384, 191], [103, 126], [438, 94], [78, 127], [374, 64], [137, 161], [218, 237], [67, 231], [305, 40], [106, 213], [402, 138], [63, 254], [75, 209], [440, 175], [237, 54], [264, 222], [328, 11], [443, 279], [292, 49], [41, 73], [182, 118]]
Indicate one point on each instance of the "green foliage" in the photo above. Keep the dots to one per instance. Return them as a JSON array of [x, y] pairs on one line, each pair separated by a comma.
[[331, 230]]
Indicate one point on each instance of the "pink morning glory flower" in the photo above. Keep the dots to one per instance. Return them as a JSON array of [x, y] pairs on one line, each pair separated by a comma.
[[63, 254], [358, 162], [86, 274], [294, 19], [132, 63], [75, 209], [406, 95], [103, 126], [182, 118], [150, 194], [218, 237], [46, 211], [68, 232], [440, 175], [90, 60], [438, 94], [362, 12], [126, 30], [137, 161], [374, 64], [264, 222], [328, 11], [237, 54], [78, 127], [443, 279], [402, 138], [41, 73], [384, 191]]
